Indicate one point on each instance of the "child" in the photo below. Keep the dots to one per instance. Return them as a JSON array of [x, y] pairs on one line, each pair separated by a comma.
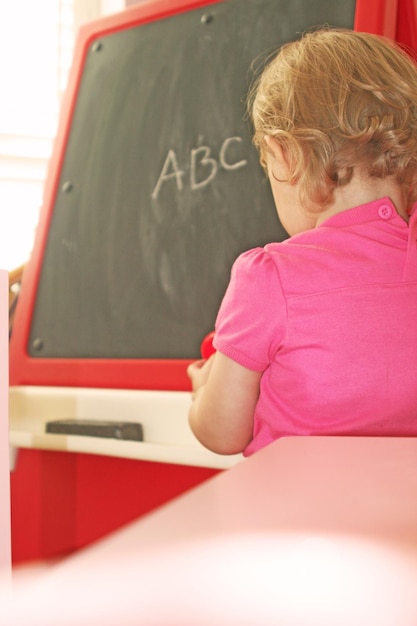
[[317, 335]]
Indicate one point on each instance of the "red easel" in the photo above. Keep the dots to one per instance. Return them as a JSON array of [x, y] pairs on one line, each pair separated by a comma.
[[56, 503], [5, 531], [396, 19]]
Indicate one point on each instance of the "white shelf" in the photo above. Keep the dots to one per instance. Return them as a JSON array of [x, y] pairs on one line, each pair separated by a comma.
[[163, 415]]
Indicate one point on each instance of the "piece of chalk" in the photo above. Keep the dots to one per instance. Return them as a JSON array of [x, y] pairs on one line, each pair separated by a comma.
[[207, 348]]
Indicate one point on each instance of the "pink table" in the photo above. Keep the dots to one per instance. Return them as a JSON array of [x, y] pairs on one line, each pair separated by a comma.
[[308, 532]]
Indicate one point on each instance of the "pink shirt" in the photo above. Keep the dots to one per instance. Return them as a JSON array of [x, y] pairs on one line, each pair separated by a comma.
[[330, 318]]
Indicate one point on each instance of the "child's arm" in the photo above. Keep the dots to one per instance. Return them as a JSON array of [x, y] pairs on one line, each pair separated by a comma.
[[225, 396]]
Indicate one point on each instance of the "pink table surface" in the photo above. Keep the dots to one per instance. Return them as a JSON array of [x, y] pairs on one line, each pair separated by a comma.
[[308, 532]]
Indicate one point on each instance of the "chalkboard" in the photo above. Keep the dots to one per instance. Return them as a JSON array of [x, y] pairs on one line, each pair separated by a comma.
[[160, 187]]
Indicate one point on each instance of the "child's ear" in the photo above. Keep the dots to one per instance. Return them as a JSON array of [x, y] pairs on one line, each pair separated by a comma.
[[279, 164]]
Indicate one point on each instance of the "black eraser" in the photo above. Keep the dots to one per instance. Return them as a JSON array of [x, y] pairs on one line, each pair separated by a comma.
[[125, 431]]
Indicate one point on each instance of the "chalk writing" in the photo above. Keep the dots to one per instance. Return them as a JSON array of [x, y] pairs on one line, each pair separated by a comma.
[[203, 166]]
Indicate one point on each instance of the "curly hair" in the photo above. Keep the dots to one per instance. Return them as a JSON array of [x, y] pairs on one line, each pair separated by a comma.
[[337, 100]]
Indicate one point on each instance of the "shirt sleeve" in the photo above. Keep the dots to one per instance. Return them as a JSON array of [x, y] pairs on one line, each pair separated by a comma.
[[251, 321]]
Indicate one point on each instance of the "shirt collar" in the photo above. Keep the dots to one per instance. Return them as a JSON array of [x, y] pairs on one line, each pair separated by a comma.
[[381, 209]]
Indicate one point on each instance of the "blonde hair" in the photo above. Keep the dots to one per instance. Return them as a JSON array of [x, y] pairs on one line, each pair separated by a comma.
[[337, 99]]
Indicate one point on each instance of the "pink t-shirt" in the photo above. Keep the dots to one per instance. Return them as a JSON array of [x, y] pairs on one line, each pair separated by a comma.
[[330, 319]]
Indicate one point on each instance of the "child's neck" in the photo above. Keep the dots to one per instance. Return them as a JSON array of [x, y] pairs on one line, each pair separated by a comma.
[[362, 190]]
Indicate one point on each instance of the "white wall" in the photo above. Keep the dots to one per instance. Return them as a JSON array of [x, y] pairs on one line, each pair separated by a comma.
[[29, 107]]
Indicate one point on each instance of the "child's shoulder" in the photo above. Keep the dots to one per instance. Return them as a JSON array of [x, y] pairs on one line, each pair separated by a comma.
[[299, 263], [290, 259], [276, 251]]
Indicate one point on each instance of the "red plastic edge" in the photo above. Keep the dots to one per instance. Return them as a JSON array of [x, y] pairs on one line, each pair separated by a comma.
[[376, 16]]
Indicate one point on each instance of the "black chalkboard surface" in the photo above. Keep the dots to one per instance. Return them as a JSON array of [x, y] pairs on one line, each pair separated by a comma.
[[160, 188]]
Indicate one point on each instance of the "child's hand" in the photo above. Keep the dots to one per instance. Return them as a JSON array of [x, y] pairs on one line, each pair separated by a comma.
[[224, 399], [198, 373]]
